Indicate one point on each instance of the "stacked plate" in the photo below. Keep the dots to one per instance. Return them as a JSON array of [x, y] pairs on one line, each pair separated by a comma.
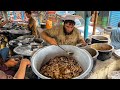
[[117, 53], [26, 50]]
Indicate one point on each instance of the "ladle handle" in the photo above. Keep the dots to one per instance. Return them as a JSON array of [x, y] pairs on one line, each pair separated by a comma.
[[61, 48]]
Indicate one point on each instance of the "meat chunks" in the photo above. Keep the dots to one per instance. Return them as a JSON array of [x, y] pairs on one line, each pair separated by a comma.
[[61, 67]]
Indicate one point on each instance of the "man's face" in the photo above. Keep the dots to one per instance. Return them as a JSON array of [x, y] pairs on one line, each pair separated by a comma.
[[68, 27], [28, 15]]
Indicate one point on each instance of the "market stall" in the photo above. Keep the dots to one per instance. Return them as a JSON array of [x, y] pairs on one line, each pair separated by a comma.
[[96, 60]]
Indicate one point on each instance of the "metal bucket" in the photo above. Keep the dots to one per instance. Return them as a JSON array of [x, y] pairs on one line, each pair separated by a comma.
[[44, 55]]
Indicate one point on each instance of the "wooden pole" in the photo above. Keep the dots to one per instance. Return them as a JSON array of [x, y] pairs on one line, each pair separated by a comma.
[[95, 22]]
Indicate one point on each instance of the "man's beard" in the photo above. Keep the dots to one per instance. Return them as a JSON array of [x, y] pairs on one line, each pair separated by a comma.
[[67, 33]]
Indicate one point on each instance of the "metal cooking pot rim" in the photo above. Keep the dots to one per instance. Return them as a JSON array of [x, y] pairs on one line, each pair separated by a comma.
[[100, 40], [96, 53]]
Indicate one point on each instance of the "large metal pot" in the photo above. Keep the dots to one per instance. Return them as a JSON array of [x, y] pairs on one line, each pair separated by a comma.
[[105, 50], [44, 55], [99, 39]]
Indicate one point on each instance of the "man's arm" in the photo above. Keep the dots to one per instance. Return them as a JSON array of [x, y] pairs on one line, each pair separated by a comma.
[[31, 22], [48, 35], [30, 25], [36, 33], [22, 69], [81, 39], [50, 40]]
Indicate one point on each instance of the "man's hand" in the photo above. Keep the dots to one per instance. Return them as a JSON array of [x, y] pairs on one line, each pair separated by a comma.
[[25, 62], [84, 43], [20, 74], [52, 41]]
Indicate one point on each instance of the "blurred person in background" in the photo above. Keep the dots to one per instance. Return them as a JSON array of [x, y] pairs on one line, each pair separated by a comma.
[[115, 37], [31, 23]]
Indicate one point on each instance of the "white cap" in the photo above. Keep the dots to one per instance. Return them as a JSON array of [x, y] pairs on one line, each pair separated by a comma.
[[69, 17]]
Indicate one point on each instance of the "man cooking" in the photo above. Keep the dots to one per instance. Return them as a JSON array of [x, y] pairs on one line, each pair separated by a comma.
[[31, 23], [64, 35]]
